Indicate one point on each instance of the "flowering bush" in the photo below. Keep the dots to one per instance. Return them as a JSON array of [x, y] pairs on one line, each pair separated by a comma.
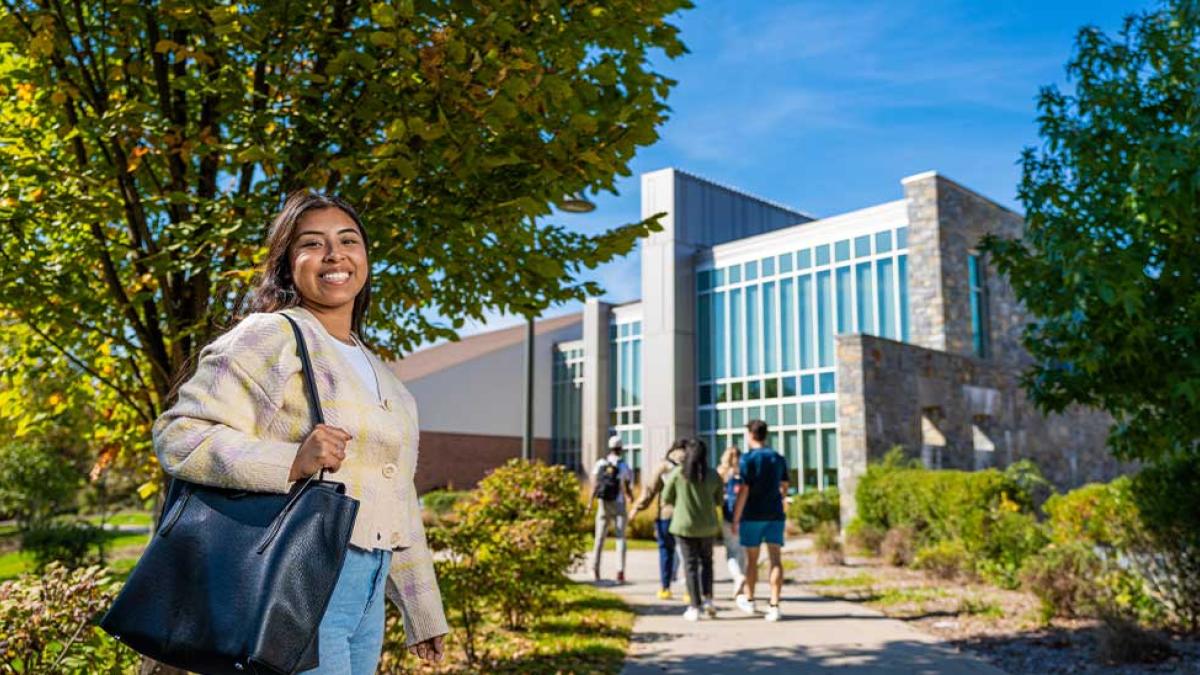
[[47, 623]]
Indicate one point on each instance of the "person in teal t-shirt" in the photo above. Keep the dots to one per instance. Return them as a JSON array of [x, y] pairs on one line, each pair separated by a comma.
[[694, 490], [758, 517]]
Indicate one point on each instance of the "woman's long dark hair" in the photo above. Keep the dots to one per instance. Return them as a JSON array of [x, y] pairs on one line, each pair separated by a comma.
[[695, 460], [275, 289]]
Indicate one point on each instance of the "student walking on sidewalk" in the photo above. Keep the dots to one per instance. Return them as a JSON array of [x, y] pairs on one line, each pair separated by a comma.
[[662, 523], [694, 490], [759, 517], [735, 557], [612, 482]]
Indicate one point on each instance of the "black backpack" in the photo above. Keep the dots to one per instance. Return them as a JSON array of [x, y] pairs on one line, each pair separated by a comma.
[[608, 483]]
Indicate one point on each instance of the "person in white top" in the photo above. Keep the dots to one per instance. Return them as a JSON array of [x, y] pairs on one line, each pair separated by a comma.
[[358, 358], [612, 485]]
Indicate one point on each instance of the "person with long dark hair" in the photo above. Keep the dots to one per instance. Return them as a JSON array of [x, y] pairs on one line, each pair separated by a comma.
[[242, 421], [694, 491]]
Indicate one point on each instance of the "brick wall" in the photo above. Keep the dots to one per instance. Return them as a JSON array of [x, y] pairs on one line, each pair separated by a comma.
[[460, 461]]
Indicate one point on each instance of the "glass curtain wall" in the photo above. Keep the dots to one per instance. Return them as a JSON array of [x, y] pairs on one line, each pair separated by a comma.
[[566, 444], [765, 346], [625, 389]]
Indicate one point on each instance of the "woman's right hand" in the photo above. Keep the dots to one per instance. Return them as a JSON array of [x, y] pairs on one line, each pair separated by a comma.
[[325, 448]]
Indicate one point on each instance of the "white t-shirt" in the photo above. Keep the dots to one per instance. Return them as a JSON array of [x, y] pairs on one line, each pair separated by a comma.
[[623, 471], [358, 358]]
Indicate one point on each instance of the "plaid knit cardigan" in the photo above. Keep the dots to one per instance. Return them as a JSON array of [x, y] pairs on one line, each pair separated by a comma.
[[240, 420]]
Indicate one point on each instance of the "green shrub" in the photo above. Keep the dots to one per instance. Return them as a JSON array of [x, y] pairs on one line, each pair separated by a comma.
[[440, 502], [48, 624], [37, 482], [810, 509], [1167, 548], [508, 546], [1000, 540], [1063, 577], [944, 560], [641, 526], [72, 543], [864, 536]]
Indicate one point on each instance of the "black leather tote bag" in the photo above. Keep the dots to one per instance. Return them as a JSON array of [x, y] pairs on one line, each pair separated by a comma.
[[237, 582]]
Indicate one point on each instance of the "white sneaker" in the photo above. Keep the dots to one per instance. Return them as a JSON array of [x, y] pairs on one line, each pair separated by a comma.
[[709, 609], [692, 614], [738, 580], [745, 605], [772, 613]]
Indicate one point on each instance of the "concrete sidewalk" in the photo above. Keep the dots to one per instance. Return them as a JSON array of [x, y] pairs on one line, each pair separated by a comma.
[[816, 634]]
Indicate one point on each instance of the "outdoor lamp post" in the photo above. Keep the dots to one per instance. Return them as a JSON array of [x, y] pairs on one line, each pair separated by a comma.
[[573, 203]]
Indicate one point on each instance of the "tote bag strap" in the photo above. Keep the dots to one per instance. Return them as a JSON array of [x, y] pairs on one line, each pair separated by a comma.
[[310, 382]]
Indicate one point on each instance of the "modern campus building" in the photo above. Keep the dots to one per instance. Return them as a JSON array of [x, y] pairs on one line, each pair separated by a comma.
[[849, 335]]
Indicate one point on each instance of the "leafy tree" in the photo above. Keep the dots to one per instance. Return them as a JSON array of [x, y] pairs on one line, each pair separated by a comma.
[[144, 145], [1110, 260]]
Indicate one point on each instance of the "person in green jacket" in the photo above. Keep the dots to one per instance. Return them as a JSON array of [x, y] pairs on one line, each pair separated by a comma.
[[694, 491]]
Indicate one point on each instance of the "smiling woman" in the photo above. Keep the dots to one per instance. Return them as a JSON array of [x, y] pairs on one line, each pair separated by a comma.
[[243, 422]]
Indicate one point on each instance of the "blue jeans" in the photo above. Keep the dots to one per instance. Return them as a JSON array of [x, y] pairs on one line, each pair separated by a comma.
[[350, 638], [666, 551]]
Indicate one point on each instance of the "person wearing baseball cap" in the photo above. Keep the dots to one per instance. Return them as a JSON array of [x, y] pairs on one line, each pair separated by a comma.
[[612, 485]]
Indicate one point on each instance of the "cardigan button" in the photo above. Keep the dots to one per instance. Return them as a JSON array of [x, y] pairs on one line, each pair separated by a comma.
[[389, 470]]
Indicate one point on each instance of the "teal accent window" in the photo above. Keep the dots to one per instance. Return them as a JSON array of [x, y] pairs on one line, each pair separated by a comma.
[[789, 386], [752, 270], [791, 451], [866, 311], [771, 388], [625, 329], [884, 269], [722, 419], [804, 259], [753, 390], [637, 328], [706, 420], [845, 300], [754, 412], [771, 415], [808, 439], [979, 308], [753, 345], [785, 263], [902, 238], [722, 393], [804, 293], [883, 241], [822, 254], [768, 314], [828, 411], [862, 246], [902, 273], [735, 391], [737, 418], [637, 372], [787, 323], [735, 332], [734, 274], [808, 385], [719, 277], [720, 335], [626, 376], [789, 414], [704, 337], [829, 450], [841, 250], [828, 385], [824, 319], [704, 280], [808, 413], [767, 266], [706, 394]]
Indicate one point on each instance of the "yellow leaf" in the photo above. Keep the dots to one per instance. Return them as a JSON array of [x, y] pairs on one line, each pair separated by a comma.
[[55, 399], [147, 490], [164, 46]]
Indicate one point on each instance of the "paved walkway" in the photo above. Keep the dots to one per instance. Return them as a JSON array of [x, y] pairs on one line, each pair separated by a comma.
[[816, 634]]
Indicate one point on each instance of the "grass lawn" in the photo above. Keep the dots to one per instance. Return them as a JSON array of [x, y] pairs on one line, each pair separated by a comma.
[[588, 634], [610, 544], [123, 551]]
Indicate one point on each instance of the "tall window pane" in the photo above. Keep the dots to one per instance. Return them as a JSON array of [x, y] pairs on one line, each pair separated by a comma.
[[720, 335], [804, 290], [735, 332], [768, 314], [902, 273], [844, 300], [626, 395], [753, 346], [613, 383], [866, 312], [787, 323], [884, 269], [824, 319], [636, 367], [808, 439], [979, 327], [829, 449], [704, 337]]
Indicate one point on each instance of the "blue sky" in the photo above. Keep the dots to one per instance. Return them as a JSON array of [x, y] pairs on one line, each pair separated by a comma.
[[825, 106]]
